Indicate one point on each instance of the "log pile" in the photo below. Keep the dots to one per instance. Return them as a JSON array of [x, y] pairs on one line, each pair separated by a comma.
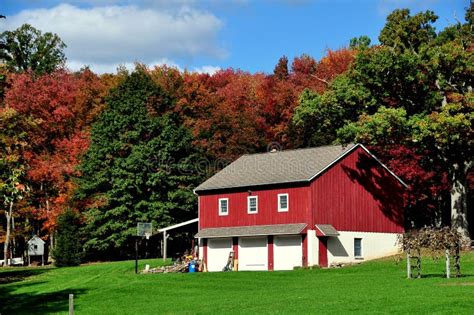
[[179, 266], [176, 268]]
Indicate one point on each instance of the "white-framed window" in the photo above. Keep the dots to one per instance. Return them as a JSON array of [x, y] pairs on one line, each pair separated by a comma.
[[357, 247], [223, 206], [252, 204], [283, 203]]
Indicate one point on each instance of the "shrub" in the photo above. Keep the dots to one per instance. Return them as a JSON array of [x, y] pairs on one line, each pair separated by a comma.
[[67, 251]]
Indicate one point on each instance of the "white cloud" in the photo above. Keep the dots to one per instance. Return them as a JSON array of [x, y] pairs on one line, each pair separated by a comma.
[[104, 37], [207, 69], [112, 67]]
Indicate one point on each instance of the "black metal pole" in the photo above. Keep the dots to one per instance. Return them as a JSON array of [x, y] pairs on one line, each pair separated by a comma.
[[136, 255]]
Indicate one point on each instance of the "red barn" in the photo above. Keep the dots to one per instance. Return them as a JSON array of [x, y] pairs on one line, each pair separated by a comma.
[[305, 207]]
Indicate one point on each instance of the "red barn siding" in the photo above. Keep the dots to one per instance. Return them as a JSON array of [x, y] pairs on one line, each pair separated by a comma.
[[235, 247], [299, 208], [270, 252], [358, 194]]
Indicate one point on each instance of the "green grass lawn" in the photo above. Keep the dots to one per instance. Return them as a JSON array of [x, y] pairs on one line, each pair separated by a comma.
[[113, 288]]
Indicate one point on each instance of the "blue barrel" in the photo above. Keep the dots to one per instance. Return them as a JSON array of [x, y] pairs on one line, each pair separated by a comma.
[[192, 266]]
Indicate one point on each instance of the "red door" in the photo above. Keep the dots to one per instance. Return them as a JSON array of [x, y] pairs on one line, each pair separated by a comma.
[[323, 251]]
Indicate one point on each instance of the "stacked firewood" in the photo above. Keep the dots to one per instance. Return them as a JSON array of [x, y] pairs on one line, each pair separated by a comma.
[[180, 265], [176, 268]]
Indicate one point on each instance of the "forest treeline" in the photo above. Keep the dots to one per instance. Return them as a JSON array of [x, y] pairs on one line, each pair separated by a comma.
[[129, 147]]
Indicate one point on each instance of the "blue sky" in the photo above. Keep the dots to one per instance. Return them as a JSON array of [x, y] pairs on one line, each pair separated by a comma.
[[211, 34]]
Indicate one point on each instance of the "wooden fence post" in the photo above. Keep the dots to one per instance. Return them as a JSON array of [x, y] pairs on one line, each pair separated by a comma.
[[457, 262], [418, 263], [408, 265], [71, 304]]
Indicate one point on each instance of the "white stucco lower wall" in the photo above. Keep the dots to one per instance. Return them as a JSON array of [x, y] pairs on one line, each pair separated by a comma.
[[374, 245], [313, 248]]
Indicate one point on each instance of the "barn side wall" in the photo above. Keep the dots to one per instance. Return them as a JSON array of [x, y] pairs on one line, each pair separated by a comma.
[[358, 194], [298, 212]]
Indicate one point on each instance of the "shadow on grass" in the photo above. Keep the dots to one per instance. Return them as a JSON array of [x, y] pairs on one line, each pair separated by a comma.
[[32, 302], [15, 275], [440, 275]]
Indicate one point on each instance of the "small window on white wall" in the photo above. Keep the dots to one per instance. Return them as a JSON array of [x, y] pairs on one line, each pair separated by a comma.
[[223, 206], [358, 247], [283, 202], [252, 204]]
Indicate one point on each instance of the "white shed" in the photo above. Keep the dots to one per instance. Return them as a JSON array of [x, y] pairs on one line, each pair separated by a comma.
[[36, 248]]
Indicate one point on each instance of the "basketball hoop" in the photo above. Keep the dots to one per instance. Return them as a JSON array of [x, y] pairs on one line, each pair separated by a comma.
[[144, 229]]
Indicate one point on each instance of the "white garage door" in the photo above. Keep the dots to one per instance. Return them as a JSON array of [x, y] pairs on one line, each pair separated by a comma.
[[287, 252], [218, 250], [253, 253]]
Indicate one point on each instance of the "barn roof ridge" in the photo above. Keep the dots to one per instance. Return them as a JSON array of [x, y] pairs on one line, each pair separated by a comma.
[[281, 167], [296, 149], [288, 166]]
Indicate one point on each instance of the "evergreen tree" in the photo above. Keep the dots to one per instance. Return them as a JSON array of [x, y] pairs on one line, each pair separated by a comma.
[[139, 167], [67, 251]]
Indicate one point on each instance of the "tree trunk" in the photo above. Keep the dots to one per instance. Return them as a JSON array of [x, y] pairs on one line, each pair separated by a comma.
[[459, 202], [51, 235], [8, 215], [13, 240]]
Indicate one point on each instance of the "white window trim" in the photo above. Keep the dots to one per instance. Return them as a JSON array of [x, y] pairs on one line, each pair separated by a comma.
[[220, 208], [287, 203], [248, 205], [361, 248]]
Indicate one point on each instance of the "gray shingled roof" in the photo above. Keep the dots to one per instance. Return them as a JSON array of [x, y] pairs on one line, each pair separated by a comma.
[[327, 229], [253, 230], [275, 167]]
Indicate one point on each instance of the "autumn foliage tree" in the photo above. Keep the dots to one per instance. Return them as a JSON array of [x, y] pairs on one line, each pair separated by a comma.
[[234, 112], [63, 104]]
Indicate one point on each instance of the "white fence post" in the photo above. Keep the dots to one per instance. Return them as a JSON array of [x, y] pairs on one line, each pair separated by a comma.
[[448, 267], [71, 304]]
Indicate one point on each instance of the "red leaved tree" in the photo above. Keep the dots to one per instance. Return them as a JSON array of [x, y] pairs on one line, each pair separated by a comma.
[[64, 104]]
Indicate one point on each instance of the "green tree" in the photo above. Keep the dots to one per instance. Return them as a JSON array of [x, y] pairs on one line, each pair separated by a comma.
[[27, 48], [318, 117], [68, 249], [404, 31], [414, 90], [361, 42], [447, 134], [139, 167]]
